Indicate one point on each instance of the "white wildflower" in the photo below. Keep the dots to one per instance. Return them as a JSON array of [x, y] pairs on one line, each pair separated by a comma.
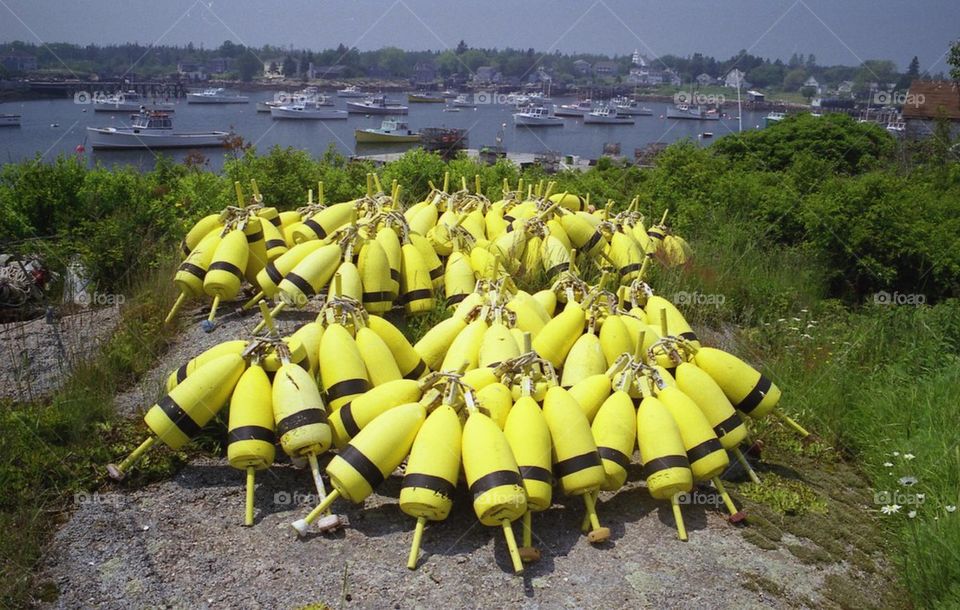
[[896, 453], [888, 464], [908, 456], [908, 481], [950, 508], [890, 509], [912, 514]]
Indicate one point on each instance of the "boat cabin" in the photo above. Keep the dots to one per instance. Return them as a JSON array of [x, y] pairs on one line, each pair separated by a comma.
[[152, 120]]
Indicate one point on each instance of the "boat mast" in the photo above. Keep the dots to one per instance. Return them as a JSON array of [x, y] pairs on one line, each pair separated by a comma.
[[739, 107]]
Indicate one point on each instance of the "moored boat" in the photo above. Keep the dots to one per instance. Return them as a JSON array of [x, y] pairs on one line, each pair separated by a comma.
[[463, 101], [216, 95], [536, 117], [696, 113], [630, 107], [390, 131], [424, 98], [130, 101], [9, 120], [307, 111], [351, 91], [574, 110], [773, 117], [606, 115], [152, 130], [377, 104]]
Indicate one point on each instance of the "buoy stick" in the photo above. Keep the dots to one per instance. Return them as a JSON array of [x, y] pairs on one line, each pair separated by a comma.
[[726, 497], [273, 313], [268, 318], [248, 520], [790, 422], [585, 522], [320, 199], [663, 219], [512, 546], [301, 525], [591, 504], [239, 189], [213, 309], [256, 299], [528, 529], [118, 472], [678, 517], [663, 322], [463, 183], [477, 186], [746, 465], [415, 545], [317, 479], [446, 182], [176, 307], [376, 183]]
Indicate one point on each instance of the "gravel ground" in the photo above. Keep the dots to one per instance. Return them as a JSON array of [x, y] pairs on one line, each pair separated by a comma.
[[181, 544]]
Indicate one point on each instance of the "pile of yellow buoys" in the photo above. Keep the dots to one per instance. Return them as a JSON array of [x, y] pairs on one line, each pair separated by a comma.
[[517, 394]]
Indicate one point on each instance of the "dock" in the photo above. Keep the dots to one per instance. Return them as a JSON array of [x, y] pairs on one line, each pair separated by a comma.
[[521, 159]]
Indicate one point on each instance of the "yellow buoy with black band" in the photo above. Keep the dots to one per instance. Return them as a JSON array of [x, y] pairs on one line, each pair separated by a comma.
[[707, 457], [493, 477], [377, 357], [676, 324], [256, 247], [273, 241], [310, 275], [527, 432], [626, 256], [250, 438], [181, 414], [409, 362], [576, 461], [459, 278], [225, 274], [378, 292], [221, 349], [430, 477], [664, 457], [272, 274], [615, 432], [749, 391], [369, 458], [583, 235], [190, 273], [325, 222], [435, 343], [299, 413], [430, 259], [416, 286], [347, 421], [554, 257], [569, 201], [342, 370], [390, 242], [203, 227]]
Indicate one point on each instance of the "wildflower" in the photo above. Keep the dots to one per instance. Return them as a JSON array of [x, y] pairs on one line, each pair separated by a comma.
[[805, 336], [912, 514], [950, 508], [782, 320], [888, 464], [804, 311], [896, 453], [890, 509], [921, 497], [908, 456], [795, 319], [908, 481]]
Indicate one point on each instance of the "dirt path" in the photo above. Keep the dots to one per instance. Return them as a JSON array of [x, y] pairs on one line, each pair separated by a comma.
[[180, 544]]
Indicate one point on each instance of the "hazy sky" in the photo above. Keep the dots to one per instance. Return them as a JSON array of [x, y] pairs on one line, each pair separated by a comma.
[[837, 31]]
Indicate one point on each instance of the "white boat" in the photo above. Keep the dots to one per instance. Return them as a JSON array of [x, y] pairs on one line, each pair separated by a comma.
[[629, 107], [606, 115], [773, 117], [390, 131], [449, 94], [351, 91], [307, 111], [696, 113], [463, 101], [216, 96], [377, 104], [310, 95], [518, 100], [131, 101], [536, 117], [9, 120], [575, 110], [152, 130]]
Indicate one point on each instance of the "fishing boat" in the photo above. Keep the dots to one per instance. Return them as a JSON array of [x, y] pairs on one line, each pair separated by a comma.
[[304, 110], [574, 110], [463, 101], [773, 117], [9, 120], [153, 130], [376, 104], [351, 91], [695, 113], [536, 117], [130, 101], [216, 95], [630, 107], [390, 131], [449, 94], [424, 98], [606, 115], [309, 95]]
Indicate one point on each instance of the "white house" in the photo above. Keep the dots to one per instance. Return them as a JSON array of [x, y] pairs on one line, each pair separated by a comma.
[[638, 59], [273, 68], [735, 78], [812, 82], [191, 70], [704, 79]]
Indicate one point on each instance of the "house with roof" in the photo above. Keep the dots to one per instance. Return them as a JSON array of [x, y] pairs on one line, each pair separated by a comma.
[[755, 96], [581, 67], [424, 73], [735, 78], [845, 87], [813, 82], [191, 70], [703, 79], [327, 72], [638, 59], [486, 75], [273, 68], [606, 68]]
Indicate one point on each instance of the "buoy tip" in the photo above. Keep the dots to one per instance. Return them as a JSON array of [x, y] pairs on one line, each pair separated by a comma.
[[529, 554], [208, 326], [599, 535], [114, 472], [738, 517], [301, 527]]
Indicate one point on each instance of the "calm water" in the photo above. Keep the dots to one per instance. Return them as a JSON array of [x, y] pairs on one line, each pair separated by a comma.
[[52, 127]]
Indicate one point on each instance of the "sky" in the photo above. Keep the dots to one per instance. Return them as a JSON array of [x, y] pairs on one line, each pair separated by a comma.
[[836, 31]]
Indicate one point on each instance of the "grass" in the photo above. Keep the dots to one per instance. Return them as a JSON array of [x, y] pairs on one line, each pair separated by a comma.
[[52, 451]]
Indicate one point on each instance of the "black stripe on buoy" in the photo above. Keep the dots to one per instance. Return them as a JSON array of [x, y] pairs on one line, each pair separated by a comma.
[[552, 271], [395, 274], [577, 463], [349, 423], [273, 273], [494, 479], [300, 283], [427, 481], [316, 228], [301, 418], [437, 272], [255, 237], [689, 336], [655, 233], [536, 473], [226, 266], [756, 395], [184, 248], [363, 465], [662, 463], [250, 433], [417, 371], [377, 297], [276, 243], [592, 241], [704, 449], [180, 418], [347, 387], [416, 295], [617, 457], [193, 269], [275, 221], [453, 300], [630, 268], [182, 373], [728, 425], [509, 219]]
